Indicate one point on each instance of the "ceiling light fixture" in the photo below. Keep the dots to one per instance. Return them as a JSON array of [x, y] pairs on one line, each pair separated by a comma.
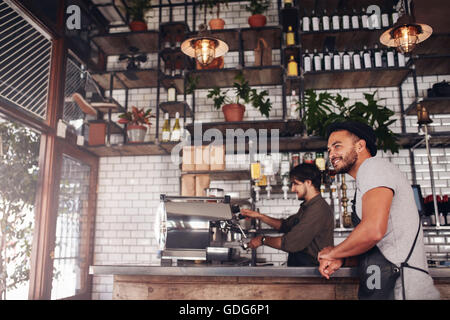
[[406, 33], [204, 47]]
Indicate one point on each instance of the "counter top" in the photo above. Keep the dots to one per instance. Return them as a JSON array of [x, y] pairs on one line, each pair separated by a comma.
[[230, 271]]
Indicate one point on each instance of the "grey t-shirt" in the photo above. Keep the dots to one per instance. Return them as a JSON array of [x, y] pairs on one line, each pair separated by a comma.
[[402, 226]]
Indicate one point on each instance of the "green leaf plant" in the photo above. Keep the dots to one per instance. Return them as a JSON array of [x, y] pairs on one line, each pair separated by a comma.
[[321, 110], [243, 94]]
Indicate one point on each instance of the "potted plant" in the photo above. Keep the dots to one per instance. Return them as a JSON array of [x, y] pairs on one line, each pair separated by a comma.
[[136, 10], [215, 23], [257, 8], [233, 109], [324, 109], [137, 121]]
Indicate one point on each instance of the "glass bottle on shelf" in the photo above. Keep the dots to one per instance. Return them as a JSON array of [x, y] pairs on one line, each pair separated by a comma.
[[394, 15], [336, 60], [364, 19], [336, 20], [317, 60], [385, 19], [171, 93], [401, 59], [307, 61], [308, 157], [292, 67], [290, 37], [288, 3], [345, 18], [305, 21], [293, 113], [375, 21], [355, 19], [315, 21], [327, 58], [325, 21], [390, 58], [378, 60], [176, 130], [367, 58], [356, 60], [346, 65], [166, 129], [295, 160]]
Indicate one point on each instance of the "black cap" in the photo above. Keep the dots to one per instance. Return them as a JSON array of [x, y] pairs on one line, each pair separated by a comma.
[[362, 130]]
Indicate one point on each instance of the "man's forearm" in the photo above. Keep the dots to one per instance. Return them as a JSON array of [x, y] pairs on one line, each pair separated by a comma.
[[273, 222], [358, 242], [274, 242]]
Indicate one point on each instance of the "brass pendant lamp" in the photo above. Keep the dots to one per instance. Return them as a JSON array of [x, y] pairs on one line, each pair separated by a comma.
[[406, 32], [204, 47]]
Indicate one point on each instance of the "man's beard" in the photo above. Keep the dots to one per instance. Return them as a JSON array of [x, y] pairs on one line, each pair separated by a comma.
[[348, 162]]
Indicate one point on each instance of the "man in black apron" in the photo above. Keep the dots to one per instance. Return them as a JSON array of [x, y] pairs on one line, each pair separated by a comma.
[[306, 232], [387, 240]]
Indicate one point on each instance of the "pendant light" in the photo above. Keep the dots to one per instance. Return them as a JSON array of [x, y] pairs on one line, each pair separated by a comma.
[[204, 48], [406, 33]]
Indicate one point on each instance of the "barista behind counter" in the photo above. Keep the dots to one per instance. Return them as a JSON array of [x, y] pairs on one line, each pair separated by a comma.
[[307, 231]]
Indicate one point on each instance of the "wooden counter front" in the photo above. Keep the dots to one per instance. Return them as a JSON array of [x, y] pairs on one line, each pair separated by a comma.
[[145, 287]]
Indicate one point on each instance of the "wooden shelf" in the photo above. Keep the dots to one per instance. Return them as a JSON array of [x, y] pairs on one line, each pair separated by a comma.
[[431, 64], [118, 43], [256, 76], [438, 105], [174, 107], [133, 149], [144, 78], [348, 79], [343, 39], [286, 128], [437, 139], [226, 175]]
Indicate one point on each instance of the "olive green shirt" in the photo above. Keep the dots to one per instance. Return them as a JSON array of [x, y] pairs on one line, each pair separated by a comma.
[[309, 230]]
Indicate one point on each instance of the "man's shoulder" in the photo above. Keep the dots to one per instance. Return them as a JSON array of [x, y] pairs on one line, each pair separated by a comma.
[[377, 164]]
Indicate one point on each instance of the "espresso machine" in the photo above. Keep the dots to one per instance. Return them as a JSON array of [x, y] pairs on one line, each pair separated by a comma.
[[199, 229]]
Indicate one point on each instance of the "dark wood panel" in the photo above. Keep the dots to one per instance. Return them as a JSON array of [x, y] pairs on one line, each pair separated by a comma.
[[344, 39], [365, 78], [433, 105], [176, 106], [435, 44], [130, 149], [256, 76], [432, 65], [118, 43], [146, 78], [227, 175]]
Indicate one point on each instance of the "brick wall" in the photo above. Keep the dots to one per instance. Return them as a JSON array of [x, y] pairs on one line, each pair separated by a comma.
[[129, 187]]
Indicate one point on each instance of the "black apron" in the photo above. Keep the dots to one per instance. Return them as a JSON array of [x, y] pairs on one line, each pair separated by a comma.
[[389, 272], [301, 259]]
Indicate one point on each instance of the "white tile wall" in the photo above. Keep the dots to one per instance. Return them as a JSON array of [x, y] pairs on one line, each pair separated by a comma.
[[129, 187]]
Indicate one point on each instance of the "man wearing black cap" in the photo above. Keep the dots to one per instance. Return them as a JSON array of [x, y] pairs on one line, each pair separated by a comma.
[[387, 233]]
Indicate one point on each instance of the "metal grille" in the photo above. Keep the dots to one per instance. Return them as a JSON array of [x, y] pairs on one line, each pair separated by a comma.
[[24, 62]]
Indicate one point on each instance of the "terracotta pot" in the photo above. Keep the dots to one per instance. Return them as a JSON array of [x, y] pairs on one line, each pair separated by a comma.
[[233, 112], [257, 20], [136, 133], [216, 24], [138, 26]]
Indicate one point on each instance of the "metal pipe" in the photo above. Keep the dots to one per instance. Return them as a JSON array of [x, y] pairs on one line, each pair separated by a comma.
[[430, 166]]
